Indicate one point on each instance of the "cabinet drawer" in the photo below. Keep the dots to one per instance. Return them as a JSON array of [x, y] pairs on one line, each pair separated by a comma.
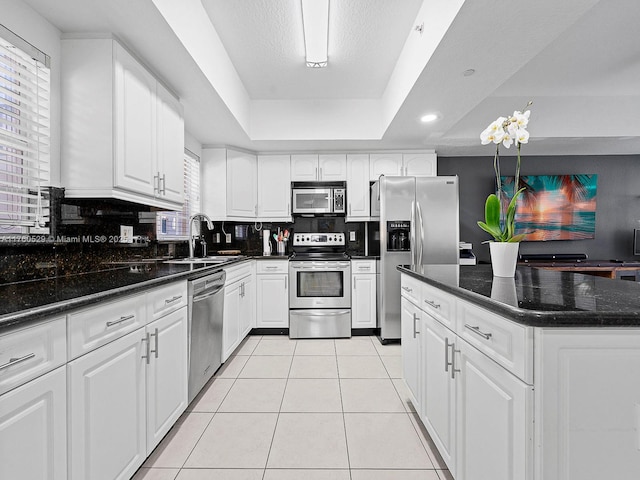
[[438, 304], [411, 289], [504, 341], [363, 266], [166, 299], [272, 266], [30, 352], [96, 326], [237, 272]]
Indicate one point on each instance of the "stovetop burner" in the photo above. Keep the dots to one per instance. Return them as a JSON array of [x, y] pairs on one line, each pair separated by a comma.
[[319, 246]]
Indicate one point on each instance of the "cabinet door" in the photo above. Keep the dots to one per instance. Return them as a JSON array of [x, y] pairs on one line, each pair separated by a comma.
[[439, 390], [107, 436], [272, 301], [230, 319], [384, 164], [420, 164], [242, 184], [213, 182], [494, 419], [332, 168], [135, 125], [170, 147], [358, 196], [304, 168], [166, 374], [33, 429], [363, 301], [274, 186], [247, 318], [410, 335]]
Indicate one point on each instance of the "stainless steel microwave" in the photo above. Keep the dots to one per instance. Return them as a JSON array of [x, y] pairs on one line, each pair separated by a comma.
[[318, 200]]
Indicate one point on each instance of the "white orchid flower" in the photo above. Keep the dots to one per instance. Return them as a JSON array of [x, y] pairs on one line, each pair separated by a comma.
[[507, 139], [521, 119], [493, 133], [522, 136]]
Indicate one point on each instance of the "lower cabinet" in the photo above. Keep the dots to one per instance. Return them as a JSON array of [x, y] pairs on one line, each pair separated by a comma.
[[272, 299], [125, 396], [107, 404], [239, 315], [410, 341], [363, 301], [33, 429]]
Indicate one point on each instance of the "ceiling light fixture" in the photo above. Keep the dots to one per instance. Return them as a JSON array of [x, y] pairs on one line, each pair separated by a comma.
[[315, 25], [429, 117]]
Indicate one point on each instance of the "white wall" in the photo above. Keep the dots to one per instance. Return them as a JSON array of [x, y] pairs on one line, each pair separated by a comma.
[[25, 22]]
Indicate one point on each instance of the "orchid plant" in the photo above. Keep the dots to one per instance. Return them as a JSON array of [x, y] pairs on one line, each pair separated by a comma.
[[506, 131]]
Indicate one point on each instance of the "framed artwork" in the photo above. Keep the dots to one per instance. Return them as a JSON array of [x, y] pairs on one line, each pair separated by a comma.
[[554, 207]]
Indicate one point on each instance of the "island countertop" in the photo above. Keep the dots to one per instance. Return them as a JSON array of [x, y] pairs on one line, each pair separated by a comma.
[[538, 297]]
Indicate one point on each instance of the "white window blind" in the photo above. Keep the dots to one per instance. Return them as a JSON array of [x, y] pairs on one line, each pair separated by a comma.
[[24, 135], [175, 225]]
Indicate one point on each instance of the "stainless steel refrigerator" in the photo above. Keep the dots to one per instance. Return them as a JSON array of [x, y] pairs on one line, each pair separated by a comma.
[[419, 225]]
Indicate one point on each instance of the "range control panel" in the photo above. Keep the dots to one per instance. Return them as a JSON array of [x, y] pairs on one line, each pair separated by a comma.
[[318, 239]]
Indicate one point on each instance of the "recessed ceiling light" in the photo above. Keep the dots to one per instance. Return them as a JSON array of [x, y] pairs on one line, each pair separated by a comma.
[[469, 72], [429, 117]]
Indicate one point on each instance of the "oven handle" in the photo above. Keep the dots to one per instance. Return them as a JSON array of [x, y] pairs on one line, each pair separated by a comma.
[[321, 314], [319, 265]]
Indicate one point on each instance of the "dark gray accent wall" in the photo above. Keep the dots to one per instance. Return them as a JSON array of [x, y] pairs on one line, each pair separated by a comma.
[[617, 210]]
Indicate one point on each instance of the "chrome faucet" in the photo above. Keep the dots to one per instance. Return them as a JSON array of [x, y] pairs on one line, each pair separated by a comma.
[[192, 241]]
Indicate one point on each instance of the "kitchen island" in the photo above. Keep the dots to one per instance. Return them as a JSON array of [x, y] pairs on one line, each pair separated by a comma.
[[531, 377]]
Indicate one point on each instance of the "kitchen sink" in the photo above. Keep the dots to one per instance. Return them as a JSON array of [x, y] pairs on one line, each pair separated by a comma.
[[211, 259]]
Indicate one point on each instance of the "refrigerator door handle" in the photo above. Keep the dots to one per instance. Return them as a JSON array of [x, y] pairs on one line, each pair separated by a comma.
[[421, 226], [412, 236]]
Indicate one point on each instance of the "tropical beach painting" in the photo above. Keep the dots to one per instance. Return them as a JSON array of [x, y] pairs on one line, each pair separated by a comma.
[[554, 207]]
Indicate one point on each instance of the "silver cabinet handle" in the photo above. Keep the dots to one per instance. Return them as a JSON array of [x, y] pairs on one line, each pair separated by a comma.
[[432, 303], [477, 331], [317, 174], [271, 267], [156, 183], [349, 208], [122, 319], [320, 177], [157, 339], [407, 289], [147, 348], [164, 184], [15, 360], [447, 363], [415, 321], [364, 267], [454, 370], [286, 282], [171, 300]]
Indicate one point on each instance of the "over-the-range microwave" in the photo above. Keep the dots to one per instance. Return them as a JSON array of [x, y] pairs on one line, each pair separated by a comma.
[[317, 200]]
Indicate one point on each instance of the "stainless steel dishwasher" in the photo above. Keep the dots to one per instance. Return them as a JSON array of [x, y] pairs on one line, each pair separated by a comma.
[[206, 302]]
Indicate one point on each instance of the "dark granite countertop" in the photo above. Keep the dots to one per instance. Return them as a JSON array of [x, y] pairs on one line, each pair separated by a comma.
[[538, 297], [31, 301]]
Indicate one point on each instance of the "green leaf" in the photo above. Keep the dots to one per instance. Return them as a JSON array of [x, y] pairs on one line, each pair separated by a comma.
[[492, 211], [517, 238], [496, 233]]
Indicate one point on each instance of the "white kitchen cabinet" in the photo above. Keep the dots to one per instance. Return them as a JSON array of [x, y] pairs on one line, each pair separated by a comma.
[[415, 164], [242, 185], [213, 183], [323, 168], [274, 188], [107, 404], [166, 374], [122, 131], [411, 343], [358, 194], [239, 315], [272, 294], [33, 429], [363, 294], [439, 405], [494, 418]]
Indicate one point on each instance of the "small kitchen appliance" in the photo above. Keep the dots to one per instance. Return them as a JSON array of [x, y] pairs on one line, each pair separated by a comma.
[[316, 198]]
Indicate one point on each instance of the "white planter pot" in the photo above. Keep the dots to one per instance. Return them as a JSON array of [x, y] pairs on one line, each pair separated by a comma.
[[504, 256]]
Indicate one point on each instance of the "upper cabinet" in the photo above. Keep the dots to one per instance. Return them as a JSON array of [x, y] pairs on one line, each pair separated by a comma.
[[122, 131], [319, 168], [358, 197], [242, 185], [422, 164], [274, 188]]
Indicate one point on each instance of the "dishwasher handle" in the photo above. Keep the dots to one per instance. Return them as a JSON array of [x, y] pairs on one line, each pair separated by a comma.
[[209, 292]]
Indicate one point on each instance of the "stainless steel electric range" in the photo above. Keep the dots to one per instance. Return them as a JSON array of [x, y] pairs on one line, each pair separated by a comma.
[[320, 293]]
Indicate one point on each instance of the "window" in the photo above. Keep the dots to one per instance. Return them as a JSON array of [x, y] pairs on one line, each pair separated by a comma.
[[175, 225], [24, 135]]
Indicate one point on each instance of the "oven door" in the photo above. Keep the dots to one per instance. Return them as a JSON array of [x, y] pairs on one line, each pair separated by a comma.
[[312, 200], [320, 284]]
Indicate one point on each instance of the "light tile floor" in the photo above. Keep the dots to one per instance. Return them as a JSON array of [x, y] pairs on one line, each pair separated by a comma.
[[316, 409]]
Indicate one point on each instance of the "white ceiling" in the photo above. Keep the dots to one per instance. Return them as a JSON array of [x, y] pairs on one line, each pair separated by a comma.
[[238, 67]]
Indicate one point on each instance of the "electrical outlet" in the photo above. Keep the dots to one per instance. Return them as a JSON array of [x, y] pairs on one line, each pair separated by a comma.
[[228, 238], [217, 238], [352, 236]]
